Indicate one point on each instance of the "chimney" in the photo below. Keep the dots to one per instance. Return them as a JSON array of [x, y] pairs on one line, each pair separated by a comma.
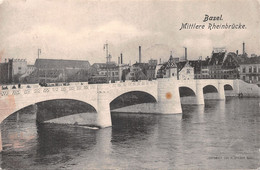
[[160, 61], [243, 48], [121, 58], [109, 58], [237, 52], [140, 57], [185, 58]]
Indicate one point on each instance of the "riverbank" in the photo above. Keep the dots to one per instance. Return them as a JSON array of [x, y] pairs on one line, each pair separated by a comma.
[[248, 90]]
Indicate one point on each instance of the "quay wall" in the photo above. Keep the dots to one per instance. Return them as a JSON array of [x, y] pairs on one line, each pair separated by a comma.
[[248, 90]]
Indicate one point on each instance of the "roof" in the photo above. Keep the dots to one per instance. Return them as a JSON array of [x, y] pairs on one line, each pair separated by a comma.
[[230, 61], [217, 58], [104, 65], [197, 64], [251, 60], [61, 64], [183, 64], [141, 65], [171, 63]]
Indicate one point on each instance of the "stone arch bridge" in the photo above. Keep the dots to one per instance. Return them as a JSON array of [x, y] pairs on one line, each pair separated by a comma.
[[167, 93]]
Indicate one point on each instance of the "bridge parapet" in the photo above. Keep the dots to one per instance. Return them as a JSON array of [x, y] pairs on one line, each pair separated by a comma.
[[25, 89], [37, 90]]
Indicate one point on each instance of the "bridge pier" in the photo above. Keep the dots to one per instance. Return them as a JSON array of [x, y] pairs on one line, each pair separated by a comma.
[[221, 91], [199, 94], [103, 108], [168, 96]]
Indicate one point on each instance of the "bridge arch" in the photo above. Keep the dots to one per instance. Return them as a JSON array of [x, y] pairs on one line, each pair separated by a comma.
[[186, 91], [17, 107], [52, 109], [131, 98], [210, 89], [116, 92], [228, 87], [187, 95]]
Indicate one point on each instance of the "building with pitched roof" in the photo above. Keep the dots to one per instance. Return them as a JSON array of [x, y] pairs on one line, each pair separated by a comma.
[[151, 74], [168, 69], [138, 71], [223, 65], [55, 70], [106, 71], [185, 71]]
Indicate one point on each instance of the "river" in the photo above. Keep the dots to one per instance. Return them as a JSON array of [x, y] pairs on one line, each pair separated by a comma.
[[219, 135]]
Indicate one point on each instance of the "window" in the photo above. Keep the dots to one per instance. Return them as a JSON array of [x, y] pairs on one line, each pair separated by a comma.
[[250, 69], [19, 68], [254, 69], [188, 71]]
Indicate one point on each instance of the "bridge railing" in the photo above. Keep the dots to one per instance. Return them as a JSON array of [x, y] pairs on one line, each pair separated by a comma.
[[35, 88], [132, 83], [44, 90]]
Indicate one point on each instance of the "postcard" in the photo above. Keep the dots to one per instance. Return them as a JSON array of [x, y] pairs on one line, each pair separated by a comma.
[[98, 84]]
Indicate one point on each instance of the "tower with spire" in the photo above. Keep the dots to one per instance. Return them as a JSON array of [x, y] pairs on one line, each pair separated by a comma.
[[171, 68]]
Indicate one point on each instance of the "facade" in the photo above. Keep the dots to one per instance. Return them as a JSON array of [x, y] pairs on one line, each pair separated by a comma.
[[6, 72], [19, 66], [30, 69], [223, 65], [215, 64], [204, 73], [151, 70], [12, 70], [158, 71], [185, 71], [137, 72], [106, 71], [123, 70], [250, 70], [201, 69]]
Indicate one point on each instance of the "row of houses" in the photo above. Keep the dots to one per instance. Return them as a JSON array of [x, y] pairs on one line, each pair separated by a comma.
[[220, 65]]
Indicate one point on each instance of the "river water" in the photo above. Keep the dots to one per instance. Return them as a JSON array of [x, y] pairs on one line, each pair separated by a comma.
[[219, 135]]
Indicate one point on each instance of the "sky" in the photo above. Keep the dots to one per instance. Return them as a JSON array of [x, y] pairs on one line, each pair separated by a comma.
[[78, 29]]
